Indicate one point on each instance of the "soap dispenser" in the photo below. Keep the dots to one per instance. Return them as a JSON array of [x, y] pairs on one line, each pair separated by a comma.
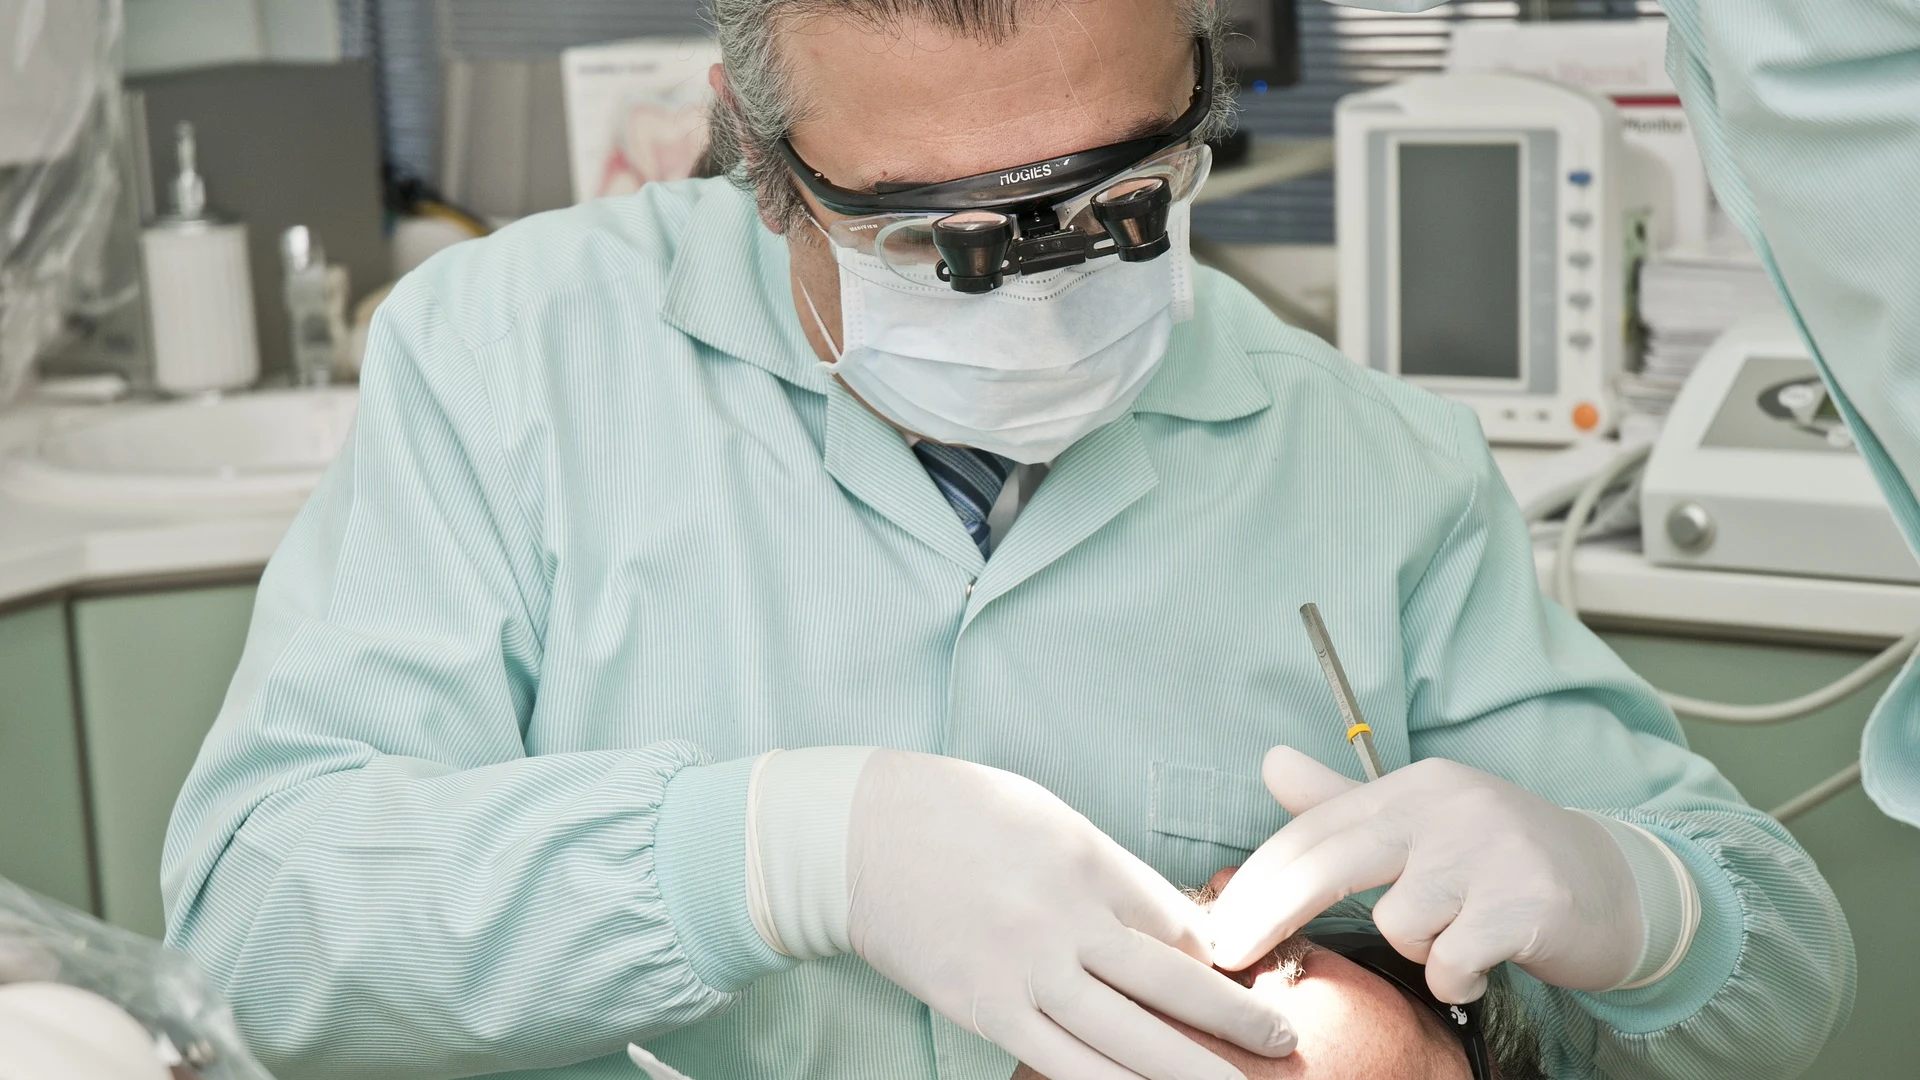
[[200, 294]]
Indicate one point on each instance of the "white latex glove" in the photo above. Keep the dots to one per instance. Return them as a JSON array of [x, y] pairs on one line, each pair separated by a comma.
[[986, 897], [1482, 872]]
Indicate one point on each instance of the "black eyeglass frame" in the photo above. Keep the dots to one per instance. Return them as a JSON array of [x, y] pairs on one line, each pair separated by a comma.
[[1360, 942], [1037, 184]]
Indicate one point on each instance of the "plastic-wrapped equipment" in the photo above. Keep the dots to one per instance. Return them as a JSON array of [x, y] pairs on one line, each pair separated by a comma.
[[89, 999], [60, 125]]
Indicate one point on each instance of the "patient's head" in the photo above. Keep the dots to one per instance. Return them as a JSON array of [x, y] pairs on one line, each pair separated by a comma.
[[1351, 1023]]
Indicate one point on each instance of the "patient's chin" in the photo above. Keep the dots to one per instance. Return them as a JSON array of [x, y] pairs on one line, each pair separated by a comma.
[[1351, 1025]]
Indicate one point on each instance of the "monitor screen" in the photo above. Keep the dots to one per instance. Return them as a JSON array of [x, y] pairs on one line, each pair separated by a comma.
[[1460, 260]]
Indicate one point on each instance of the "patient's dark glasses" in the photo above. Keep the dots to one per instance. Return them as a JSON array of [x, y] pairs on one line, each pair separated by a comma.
[[1359, 941]]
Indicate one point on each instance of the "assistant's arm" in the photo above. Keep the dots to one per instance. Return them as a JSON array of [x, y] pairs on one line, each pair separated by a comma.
[[365, 854], [1504, 680], [1808, 115]]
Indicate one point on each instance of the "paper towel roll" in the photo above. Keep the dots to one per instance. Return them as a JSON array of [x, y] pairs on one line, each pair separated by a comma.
[[200, 298]]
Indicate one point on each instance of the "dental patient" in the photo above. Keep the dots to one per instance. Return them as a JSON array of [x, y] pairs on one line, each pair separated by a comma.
[[1355, 1024]]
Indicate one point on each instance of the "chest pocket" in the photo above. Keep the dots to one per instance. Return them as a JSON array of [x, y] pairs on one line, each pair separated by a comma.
[[1204, 819]]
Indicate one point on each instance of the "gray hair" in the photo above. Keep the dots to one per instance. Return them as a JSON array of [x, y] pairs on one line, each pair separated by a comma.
[[748, 122]]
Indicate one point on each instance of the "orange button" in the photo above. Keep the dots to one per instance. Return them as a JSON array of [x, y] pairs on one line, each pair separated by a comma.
[[1585, 416]]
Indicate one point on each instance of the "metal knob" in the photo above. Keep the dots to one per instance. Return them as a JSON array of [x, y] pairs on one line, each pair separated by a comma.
[[1690, 527]]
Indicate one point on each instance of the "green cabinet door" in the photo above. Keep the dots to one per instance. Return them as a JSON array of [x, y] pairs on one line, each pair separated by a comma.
[[43, 828], [1872, 861], [153, 669]]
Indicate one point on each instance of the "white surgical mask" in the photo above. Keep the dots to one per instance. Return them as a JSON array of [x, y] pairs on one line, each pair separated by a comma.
[[1024, 371]]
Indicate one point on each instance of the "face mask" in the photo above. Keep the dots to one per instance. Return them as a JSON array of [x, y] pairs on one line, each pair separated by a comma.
[[1024, 371]]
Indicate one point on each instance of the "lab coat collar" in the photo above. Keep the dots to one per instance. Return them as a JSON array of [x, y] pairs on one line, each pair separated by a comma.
[[1206, 376], [868, 457], [1096, 480], [751, 319]]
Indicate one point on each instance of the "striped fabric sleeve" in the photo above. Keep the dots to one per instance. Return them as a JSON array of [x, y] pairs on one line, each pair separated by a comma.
[[365, 855], [1504, 680], [1808, 118]]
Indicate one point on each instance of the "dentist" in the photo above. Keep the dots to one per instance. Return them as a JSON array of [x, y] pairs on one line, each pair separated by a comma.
[[803, 622]]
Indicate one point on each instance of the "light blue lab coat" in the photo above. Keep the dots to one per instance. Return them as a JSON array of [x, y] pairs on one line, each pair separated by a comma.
[[604, 531], [1808, 112]]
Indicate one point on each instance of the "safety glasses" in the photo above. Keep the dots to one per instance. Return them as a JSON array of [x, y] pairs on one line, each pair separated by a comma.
[[922, 247], [969, 234], [1360, 942]]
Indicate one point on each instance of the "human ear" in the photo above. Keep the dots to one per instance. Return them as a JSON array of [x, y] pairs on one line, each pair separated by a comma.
[[723, 98]]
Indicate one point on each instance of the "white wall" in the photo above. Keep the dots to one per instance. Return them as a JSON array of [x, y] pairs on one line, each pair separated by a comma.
[[171, 35], [302, 30], [1305, 277]]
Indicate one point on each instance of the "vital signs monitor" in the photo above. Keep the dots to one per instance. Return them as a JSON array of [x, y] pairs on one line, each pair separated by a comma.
[[1483, 247]]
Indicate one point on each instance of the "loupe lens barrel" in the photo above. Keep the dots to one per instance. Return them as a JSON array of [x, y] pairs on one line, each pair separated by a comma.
[[973, 245], [1134, 213]]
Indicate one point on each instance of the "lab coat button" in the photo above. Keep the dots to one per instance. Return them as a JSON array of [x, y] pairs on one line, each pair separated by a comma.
[[969, 588]]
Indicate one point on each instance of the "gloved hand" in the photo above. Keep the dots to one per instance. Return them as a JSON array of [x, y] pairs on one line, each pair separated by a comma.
[[986, 897], [1482, 872]]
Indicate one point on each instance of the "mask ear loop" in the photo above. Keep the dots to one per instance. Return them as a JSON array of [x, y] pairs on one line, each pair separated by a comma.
[[832, 368]]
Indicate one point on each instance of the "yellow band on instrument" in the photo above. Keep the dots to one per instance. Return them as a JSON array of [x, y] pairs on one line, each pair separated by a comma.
[[1358, 730]]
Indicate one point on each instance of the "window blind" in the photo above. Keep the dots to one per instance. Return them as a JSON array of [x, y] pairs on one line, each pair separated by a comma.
[[1343, 50]]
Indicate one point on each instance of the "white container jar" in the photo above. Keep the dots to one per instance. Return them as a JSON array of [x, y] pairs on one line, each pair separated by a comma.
[[200, 299], [199, 290]]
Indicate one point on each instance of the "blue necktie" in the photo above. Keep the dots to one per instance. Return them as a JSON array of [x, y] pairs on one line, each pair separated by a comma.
[[970, 479]]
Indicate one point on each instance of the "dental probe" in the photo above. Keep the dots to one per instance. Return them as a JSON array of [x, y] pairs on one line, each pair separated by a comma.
[[1359, 735]]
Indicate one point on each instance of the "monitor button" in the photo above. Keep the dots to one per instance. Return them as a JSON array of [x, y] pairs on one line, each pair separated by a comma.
[[1581, 340], [1580, 219], [1580, 300], [1580, 260]]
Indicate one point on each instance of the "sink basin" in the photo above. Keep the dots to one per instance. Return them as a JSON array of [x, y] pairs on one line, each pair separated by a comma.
[[266, 447]]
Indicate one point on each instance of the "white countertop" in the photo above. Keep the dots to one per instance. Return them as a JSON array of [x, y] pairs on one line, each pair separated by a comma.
[[1614, 582], [46, 548]]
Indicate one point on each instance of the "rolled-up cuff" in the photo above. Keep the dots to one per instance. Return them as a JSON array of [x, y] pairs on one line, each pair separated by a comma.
[[802, 801], [700, 858]]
